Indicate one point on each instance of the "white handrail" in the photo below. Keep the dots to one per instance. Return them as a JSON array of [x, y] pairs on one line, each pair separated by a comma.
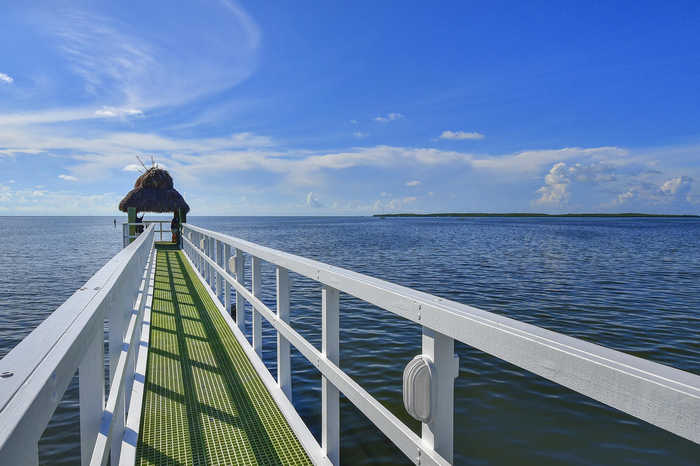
[[43, 364], [661, 395]]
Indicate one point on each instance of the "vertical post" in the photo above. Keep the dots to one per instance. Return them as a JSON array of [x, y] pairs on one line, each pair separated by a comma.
[[119, 416], [257, 318], [212, 273], [131, 212], [330, 397], [284, 379], [219, 277], [227, 285], [206, 264], [213, 249], [240, 301], [92, 395], [438, 433]]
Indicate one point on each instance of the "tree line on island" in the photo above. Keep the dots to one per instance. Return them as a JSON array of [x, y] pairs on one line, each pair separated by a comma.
[[534, 214]]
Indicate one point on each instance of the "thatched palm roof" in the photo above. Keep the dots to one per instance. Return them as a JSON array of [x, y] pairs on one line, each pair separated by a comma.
[[154, 192]]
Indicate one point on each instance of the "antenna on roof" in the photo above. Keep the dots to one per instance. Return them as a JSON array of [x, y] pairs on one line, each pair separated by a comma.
[[142, 164]]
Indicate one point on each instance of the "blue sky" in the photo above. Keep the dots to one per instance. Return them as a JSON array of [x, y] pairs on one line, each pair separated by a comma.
[[354, 108]]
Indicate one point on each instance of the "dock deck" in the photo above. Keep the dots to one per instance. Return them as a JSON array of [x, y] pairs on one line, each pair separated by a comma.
[[204, 403]]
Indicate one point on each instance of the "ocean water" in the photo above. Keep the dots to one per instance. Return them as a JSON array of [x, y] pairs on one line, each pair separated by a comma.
[[629, 284]]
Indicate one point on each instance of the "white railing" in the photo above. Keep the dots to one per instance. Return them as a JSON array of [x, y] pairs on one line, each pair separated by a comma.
[[666, 397], [36, 373], [126, 237]]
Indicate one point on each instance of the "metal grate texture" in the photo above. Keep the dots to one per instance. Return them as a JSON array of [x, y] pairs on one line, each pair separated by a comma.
[[204, 402]]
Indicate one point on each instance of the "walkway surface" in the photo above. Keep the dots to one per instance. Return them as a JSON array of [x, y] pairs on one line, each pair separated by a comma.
[[204, 402]]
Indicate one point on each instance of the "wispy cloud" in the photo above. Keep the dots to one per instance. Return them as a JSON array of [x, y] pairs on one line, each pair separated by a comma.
[[460, 135], [389, 117], [110, 112], [68, 177], [360, 134], [312, 200], [413, 183], [6, 78]]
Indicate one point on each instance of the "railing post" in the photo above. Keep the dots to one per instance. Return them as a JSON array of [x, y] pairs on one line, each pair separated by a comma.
[[284, 366], [257, 318], [207, 251], [438, 433], [219, 278], [91, 387], [227, 285], [330, 397], [240, 300]]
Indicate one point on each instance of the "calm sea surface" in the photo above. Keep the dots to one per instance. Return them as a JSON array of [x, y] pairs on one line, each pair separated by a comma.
[[629, 284]]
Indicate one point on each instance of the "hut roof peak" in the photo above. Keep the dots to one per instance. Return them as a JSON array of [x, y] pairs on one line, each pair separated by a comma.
[[154, 192]]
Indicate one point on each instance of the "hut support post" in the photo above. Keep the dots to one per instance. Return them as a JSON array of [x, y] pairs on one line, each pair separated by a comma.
[[132, 219], [182, 215]]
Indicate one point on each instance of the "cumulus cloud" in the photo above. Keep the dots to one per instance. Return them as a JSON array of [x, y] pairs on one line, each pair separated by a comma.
[[312, 200], [460, 135], [556, 190], [68, 177], [678, 187], [675, 190], [7, 79], [413, 183], [389, 117]]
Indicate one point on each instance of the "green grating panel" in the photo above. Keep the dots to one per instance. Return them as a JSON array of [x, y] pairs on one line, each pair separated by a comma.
[[204, 402]]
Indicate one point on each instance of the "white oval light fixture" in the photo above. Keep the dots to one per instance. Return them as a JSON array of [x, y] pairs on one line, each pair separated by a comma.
[[417, 388]]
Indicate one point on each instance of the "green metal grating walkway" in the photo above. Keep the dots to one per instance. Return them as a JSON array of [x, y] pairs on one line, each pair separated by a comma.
[[204, 403]]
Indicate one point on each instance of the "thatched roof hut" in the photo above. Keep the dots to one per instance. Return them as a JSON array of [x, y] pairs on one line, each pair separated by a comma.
[[154, 192]]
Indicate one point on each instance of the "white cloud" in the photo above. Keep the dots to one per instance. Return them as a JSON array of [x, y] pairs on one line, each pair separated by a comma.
[[312, 200], [556, 190], [43, 202], [6, 78], [360, 134], [389, 117], [111, 112], [68, 178], [678, 187], [459, 135], [381, 205], [673, 191], [413, 183]]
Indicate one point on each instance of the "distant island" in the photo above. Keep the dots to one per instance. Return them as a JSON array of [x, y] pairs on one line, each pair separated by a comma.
[[530, 214]]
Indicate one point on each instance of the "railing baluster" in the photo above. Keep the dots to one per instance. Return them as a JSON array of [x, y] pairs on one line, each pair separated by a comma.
[[330, 397], [240, 300], [284, 369], [91, 387], [227, 285], [219, 277], [438, 433], [257, 318]]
